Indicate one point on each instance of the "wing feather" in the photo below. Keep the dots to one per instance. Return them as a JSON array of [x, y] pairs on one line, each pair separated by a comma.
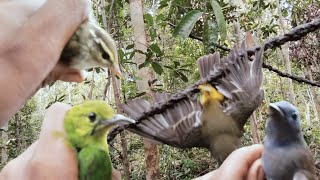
[[176, 126]]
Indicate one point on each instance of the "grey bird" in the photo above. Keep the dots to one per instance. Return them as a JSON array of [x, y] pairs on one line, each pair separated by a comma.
[[91, 46], [286, 155], [216, 122]]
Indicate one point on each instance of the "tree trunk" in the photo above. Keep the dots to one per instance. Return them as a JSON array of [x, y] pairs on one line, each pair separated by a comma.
[[122, 134], [18, 131], [253, 119], [254, 129], [91, 85], [236, 25], [314, 97], [111, 77], [107, 86], [285, 51], [140, 37]]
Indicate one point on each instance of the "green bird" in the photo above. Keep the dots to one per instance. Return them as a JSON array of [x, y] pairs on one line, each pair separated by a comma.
[[216, 121], [86, 126], [91, 46]]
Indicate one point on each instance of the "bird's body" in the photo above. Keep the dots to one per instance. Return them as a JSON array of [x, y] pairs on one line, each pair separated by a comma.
[[286, 154], [94, 162], [222, 130], [86, 126], [216, 122]]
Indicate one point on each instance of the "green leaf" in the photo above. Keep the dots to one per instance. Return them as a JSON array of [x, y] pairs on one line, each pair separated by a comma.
[[149, 19], [187, 23], [160, 17], [163, 3], [182, 76], [176, 63], [210, 35], [157, 68], [155, 48], [220, 19], [121, 54], [130, 46], [153, 33], [131, 55], [141, 65]]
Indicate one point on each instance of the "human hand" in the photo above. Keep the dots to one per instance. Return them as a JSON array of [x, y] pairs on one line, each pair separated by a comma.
[[64, 73], [243, 163], [31, 43], [49, 157]]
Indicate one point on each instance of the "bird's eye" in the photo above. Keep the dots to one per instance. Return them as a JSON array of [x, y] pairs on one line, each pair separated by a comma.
[[92, 116], [105, 55], [294, 116]]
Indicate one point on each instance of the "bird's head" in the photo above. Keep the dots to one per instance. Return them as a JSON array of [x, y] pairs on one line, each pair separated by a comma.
[[283, 117], [106, 53], [208, 94], [90, 122]]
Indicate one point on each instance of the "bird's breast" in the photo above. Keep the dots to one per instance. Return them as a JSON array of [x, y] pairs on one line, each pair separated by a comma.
[[216, 122]]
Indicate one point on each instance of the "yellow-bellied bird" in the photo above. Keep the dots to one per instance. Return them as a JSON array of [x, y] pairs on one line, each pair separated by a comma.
[[216, 122]]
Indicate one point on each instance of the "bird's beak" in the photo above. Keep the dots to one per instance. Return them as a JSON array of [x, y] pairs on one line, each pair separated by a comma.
[[116, 70], [273, 108], [118, 119]]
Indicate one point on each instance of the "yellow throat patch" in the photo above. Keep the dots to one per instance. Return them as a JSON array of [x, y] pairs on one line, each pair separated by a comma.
[[209, 93]]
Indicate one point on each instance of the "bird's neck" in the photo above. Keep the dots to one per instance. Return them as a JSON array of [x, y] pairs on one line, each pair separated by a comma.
[[101, 140], [288, 136], [211, 103]]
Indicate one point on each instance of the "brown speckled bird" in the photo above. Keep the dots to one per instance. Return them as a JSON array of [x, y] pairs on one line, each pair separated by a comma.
[[216, 122]]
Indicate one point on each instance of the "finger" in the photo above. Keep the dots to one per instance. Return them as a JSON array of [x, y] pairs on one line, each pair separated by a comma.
[[256, 171], [53, 158], [21, 162], [116, 174], [64, 73], [53, 120], [72, 76], [209, 176], [238, 163], [247, 154]]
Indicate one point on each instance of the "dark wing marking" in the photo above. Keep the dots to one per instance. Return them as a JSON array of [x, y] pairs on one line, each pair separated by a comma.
[[178, 126]]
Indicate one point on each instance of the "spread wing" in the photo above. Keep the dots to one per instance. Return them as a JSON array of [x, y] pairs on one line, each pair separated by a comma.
[[178, 126], [241, 84]]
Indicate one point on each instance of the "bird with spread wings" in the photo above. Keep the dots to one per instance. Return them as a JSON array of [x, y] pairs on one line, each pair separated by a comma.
[[214, 122]]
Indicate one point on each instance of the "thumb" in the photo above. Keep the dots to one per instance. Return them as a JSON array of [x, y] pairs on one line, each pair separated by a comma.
[[53, 158]]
